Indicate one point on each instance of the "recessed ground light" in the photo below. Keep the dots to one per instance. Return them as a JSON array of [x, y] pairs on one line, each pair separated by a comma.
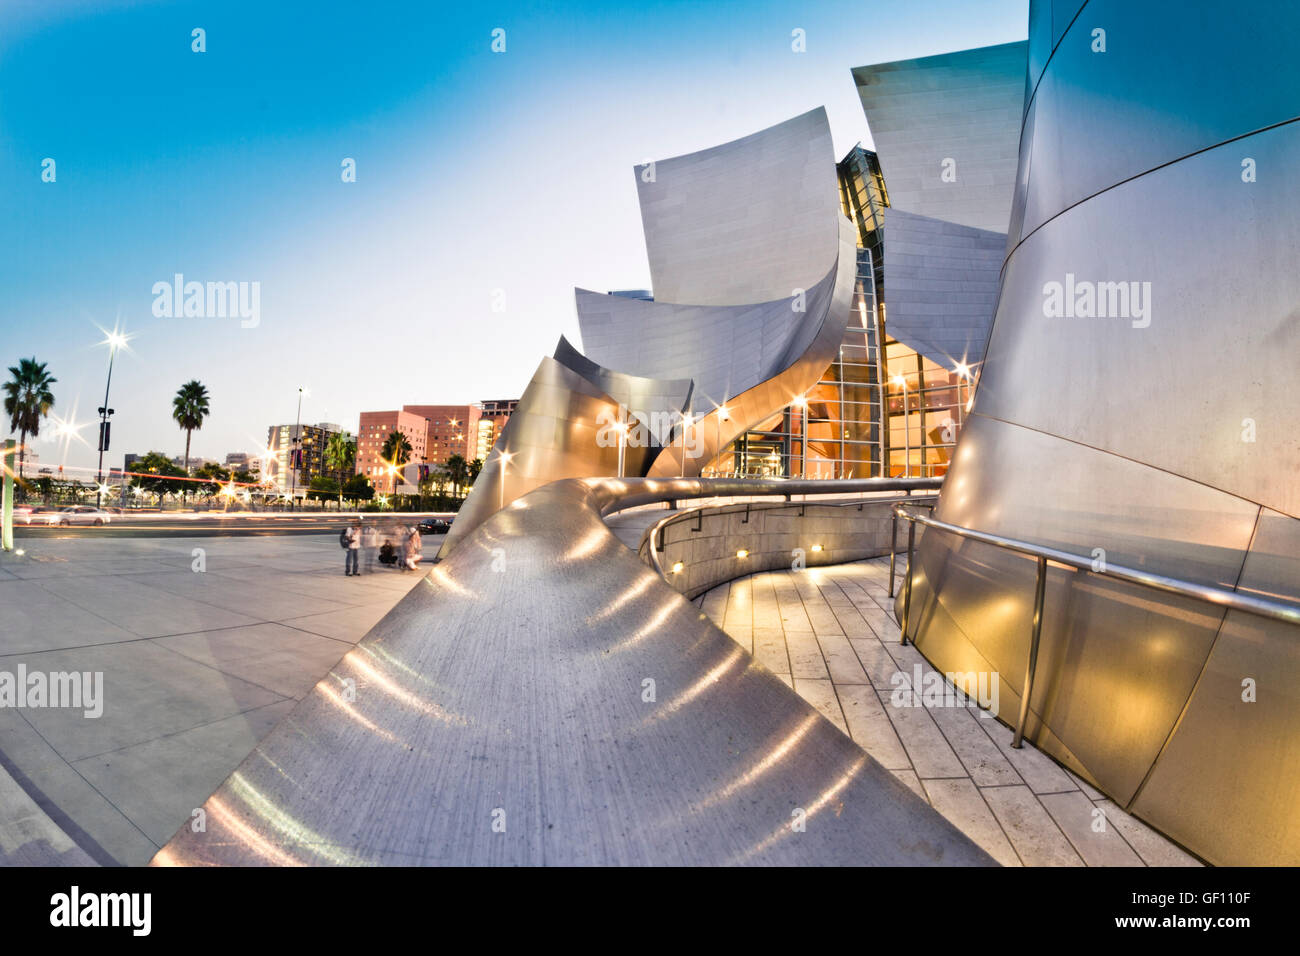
[[677, 567], [816, 547], [742, 553]]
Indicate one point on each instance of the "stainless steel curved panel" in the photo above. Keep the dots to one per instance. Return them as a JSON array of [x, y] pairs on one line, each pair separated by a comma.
[[555, 431], [1214, 259], [1235, 756], [748, 221], [943, 285], [498, 715], [654, 405], [946, 130], [1117, 662], [1153, 95], [1159, 432]]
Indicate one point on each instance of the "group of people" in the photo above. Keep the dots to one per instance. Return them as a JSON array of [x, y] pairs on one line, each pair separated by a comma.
[[400, 546]]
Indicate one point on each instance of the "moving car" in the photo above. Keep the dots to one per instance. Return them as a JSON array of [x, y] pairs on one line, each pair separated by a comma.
[[29, 514], [434, 526], [78, 514]]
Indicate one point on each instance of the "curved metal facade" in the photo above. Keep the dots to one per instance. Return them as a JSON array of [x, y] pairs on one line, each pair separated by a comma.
[[754, 267], [1160, 434]]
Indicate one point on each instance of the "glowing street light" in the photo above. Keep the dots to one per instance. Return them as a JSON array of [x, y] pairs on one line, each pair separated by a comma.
[[802, 404], [687, 421], [115, 340], [504, 458], [907, 437], [723, 415], [621, 428]]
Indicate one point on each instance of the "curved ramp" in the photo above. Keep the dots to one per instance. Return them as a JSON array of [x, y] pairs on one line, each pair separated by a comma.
[[501, 714]]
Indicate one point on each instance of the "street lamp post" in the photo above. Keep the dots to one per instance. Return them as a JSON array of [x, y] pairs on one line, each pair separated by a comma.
[[802, 402], [907, 431], [504, 457], [723, 415], [686, 423], [114, 340], [622, 443], [293, 463]]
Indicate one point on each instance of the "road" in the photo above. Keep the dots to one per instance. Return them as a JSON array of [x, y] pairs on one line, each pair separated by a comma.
[[204, 525]]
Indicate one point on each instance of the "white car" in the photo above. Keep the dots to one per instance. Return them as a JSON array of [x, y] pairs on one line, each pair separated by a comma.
[[79, 514]]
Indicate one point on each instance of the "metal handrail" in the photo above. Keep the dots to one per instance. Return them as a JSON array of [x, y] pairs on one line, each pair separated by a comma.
[[637, 492], [654, 533], [1222, 597]]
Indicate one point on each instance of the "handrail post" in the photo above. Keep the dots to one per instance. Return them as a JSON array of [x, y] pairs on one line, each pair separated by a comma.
[[893, 547], [907, 581], [1040, 589]]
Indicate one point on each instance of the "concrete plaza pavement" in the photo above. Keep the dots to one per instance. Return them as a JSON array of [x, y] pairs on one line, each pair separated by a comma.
[[198, 665]]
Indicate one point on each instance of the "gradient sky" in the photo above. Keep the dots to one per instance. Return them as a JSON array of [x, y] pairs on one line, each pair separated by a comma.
[[476, 171]]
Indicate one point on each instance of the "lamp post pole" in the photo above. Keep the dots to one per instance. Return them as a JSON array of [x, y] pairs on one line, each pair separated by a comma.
[[686, 423], [622, 441], [907, 432], [293, 456], [717, 432], [113, 341]]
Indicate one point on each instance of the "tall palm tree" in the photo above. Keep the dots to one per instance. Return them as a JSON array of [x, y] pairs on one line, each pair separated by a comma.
[[189, 408], [28, 399], [397, 452], [340, 454], [457, 471]]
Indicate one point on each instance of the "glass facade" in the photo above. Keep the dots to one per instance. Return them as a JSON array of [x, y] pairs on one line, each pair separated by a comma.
[[875, 412]]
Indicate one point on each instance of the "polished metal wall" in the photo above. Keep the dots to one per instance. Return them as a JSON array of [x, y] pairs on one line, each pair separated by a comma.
[[544, 698], [748, 221], [943, 285], [946, 129], [1160, 432]]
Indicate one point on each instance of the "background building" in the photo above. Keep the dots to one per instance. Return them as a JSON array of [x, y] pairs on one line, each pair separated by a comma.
[[243, 461], [492, 417], [451, 430], [296, 455], [373, 430]]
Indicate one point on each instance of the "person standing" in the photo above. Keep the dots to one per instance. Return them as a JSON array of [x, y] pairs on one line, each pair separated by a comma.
[[413, 548], [354, 549], [370, 542]]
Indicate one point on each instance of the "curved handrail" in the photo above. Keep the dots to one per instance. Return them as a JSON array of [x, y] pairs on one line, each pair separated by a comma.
[[1221, 597], [652, 533], [1234, 600]]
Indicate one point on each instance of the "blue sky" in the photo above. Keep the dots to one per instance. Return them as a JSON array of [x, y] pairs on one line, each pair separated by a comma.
[[476, 172]]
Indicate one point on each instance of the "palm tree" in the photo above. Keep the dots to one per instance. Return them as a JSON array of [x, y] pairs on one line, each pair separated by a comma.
[[457, 471], [28, 399], [475, 467], [340, 454], [397, 452], [189, 408]]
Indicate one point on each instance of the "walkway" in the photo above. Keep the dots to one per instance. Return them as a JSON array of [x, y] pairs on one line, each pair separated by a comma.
[[830, 634], [198, 666]]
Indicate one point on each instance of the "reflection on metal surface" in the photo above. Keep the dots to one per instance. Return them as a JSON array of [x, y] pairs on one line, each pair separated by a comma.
[[1158, 435], [557, 755]]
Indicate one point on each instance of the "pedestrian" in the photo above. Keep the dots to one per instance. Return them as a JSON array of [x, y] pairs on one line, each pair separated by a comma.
[[413, 548], [353, 537], [370, 543]]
